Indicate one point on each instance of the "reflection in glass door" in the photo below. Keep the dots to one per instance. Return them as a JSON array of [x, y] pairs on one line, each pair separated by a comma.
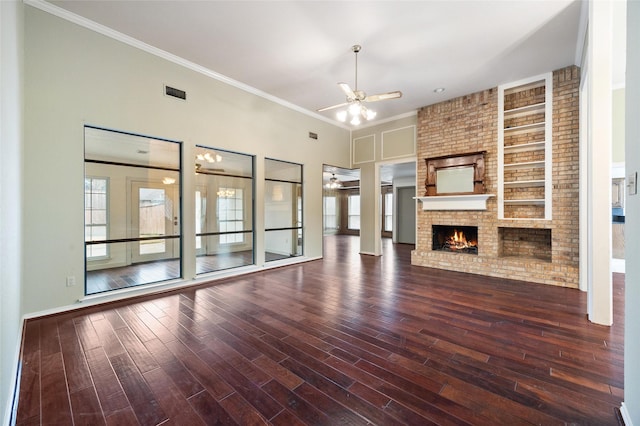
[[154, 215]]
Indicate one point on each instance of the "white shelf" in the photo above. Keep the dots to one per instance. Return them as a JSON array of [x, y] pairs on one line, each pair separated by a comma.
[[527, 165], [523, 111], [525, 147], [517, 130], [536, 202], [524, 183], [455, 202], [530, 138]]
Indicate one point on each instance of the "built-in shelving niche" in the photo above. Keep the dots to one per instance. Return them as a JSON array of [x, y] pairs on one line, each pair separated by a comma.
[[525, 148], [525, 243]]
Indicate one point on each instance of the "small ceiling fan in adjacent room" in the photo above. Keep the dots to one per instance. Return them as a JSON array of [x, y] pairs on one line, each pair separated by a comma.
[[356, 99]]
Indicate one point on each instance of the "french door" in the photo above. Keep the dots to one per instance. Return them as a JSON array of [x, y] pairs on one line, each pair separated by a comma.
[[155, 220]]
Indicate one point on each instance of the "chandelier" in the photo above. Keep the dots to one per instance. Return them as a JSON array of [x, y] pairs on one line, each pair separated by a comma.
[[209, 158], [226, 193], [333, 182]]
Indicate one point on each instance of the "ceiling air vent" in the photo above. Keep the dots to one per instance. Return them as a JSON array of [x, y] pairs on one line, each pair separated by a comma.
[[176, 93], [313, 135]]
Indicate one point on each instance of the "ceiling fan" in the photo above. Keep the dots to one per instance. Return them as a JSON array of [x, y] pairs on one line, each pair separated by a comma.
[[356, 99]]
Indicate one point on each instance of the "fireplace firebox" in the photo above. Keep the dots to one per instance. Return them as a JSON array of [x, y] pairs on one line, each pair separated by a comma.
[[456, 239]]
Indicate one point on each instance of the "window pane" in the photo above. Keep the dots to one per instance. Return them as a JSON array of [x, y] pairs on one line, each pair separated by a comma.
[[353, 206], [283, 171], [388, 211], [354, 222], [283, 209], [95, 213], [132, 191], [230, 178]]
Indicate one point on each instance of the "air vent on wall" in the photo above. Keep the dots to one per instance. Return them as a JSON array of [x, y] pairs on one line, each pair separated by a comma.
[[176, 93], [313, 135]]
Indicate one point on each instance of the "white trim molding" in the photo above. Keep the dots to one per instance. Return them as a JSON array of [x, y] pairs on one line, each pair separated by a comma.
[[626, 417]]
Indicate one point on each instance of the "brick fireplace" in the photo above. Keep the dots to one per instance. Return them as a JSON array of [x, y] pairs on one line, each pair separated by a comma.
[[543, 251]]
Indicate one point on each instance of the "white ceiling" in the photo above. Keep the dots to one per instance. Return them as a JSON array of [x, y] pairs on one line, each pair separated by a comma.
[[298, 51]]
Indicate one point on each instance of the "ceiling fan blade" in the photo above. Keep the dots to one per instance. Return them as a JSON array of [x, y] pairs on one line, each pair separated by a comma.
[[333, 106], [351, 95], [383, 96]]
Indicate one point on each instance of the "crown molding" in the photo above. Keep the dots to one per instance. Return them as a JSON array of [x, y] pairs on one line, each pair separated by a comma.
[[133, 42]]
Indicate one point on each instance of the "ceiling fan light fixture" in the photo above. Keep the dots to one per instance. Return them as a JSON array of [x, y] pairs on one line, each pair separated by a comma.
[[356, 98], [370, 115], [333, 182]]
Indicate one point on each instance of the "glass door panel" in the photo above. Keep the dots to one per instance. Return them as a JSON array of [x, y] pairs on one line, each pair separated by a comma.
[[154, 215]]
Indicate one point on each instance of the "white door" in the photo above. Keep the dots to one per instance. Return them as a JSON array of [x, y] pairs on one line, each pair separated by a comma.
[[154, 213]]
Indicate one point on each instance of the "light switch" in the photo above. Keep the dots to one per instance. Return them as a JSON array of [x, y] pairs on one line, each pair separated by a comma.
[[632, 183]]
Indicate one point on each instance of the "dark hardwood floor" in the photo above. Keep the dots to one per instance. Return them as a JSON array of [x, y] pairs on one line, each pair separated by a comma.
[[349, 339]]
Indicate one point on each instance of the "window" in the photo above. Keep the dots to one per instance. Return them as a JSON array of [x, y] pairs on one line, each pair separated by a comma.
[[132, 210], [230, 214], [330, 213], [224, 209], [95, 216], [388, 212], [283, 210], [353, 209]]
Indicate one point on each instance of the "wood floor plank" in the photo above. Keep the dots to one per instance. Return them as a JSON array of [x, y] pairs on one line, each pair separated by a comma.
[[55, 399], [86, 407], [110, 393], [170, 399], [348, 339], [210, 410], [75, 364], [29, 402], [174, 368], [250, 391]]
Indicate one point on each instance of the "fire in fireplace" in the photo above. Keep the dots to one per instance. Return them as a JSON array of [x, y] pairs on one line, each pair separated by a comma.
[[457, 239]]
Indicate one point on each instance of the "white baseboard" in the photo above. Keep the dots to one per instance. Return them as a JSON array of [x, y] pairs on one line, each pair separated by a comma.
[[625, 415]]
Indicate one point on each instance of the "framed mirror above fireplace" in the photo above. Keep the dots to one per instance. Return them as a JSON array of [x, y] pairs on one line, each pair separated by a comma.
[[455, 174]]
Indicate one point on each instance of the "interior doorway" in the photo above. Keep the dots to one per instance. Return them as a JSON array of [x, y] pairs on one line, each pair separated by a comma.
[[340, 201], [406, 215]]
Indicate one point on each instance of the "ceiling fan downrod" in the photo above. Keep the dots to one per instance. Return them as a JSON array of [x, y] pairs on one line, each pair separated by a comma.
[[356, 48]]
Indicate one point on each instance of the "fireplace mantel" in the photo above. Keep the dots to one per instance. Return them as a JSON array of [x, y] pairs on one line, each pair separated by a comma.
[[455, 202]]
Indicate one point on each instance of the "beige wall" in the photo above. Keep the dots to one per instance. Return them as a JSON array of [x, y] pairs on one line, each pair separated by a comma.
[[75, 76], [390, 142]]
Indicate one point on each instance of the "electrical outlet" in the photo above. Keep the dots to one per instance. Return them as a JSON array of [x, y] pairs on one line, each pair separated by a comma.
[[71, 281]]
